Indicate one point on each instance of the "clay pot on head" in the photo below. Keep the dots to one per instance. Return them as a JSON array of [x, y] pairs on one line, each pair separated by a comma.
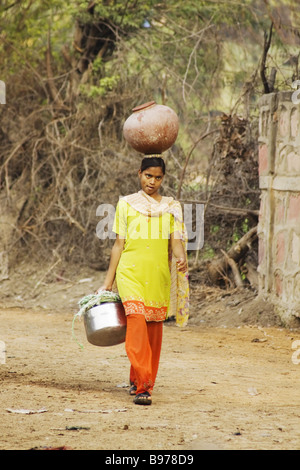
[[152, 128]]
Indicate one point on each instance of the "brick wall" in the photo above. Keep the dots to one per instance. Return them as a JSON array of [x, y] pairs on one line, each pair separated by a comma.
[[279, 220]]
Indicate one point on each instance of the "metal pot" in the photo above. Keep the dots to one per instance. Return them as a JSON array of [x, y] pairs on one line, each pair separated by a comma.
[[105, 324]]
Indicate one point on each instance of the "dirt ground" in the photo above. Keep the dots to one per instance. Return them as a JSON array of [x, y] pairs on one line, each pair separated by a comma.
[[228, 380]]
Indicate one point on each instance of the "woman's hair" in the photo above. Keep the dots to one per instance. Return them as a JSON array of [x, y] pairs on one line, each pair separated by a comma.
[[147, 162]]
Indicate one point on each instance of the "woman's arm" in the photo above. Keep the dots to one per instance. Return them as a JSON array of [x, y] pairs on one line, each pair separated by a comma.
[[178, 252], [113, 264]]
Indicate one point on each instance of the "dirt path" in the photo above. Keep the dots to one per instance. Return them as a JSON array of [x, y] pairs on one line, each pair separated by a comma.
[[217, 388]]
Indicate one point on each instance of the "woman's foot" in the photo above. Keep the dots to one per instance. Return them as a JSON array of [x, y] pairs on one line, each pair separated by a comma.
[[143, 399], [132, 390]]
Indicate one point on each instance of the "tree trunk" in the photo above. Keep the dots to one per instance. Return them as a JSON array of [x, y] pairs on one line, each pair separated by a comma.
[[218, 268]]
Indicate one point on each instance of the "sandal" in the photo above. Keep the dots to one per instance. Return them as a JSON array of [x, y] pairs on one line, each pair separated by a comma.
[[143, 399], [132, 390]]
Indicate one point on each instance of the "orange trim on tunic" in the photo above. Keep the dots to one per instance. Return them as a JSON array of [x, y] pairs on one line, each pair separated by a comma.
[[150, 312]]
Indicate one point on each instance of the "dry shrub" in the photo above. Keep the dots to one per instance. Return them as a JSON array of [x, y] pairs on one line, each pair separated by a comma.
[[232, 178], [63, 159], [66, 162]]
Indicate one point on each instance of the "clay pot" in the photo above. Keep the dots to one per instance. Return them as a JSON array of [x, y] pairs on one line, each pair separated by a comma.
[[152, 128]]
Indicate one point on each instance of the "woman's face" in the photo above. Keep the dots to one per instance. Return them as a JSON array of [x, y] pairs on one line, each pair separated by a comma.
[[151, 180]]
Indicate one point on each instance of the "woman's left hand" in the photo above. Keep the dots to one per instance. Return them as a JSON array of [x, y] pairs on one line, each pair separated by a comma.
[[181, 265]]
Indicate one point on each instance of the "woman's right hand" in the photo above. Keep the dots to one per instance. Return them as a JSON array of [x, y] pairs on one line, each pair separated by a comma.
[[104, 287]]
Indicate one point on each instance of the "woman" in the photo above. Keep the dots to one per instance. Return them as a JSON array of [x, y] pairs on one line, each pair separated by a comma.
[[146, 226]]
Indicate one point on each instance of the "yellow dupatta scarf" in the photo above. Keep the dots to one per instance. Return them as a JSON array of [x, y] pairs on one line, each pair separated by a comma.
[[179, 293]]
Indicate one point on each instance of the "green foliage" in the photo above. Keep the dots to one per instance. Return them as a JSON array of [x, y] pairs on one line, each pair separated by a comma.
[[184, 45], [106, 85], [28, 22], [197, 55]]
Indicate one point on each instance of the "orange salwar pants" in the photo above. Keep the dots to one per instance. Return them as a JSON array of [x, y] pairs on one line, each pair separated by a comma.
[[143, 348]]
